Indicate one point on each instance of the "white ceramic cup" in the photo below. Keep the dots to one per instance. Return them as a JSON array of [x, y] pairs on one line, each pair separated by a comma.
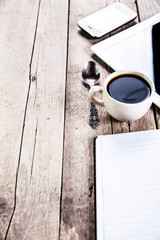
[[125, 111]]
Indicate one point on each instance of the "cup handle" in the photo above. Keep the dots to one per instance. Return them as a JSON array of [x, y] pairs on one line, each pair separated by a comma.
[[156, 100], [93, 90]]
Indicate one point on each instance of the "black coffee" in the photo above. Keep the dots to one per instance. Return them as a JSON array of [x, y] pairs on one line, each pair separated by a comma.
[[129, 88]]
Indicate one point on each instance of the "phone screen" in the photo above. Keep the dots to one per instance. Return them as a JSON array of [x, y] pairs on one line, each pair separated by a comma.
[[107, 19]]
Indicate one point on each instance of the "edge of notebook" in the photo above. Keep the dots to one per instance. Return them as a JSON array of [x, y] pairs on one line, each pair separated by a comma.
[[95, 198], [95, 192]]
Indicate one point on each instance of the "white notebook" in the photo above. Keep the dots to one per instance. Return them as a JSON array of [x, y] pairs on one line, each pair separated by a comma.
[[127, 172]]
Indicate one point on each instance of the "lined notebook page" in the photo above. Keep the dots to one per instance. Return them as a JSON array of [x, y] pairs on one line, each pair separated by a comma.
[[128, 186]]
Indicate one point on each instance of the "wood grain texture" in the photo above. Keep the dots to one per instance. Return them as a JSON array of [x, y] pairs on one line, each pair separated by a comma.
[[77, 213], [17, 28], [147, 9], [38, 191]]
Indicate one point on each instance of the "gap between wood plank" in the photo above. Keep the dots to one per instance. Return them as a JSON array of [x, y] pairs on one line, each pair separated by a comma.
[[24, 119], [34, 147], [137, 7], [61, 195]]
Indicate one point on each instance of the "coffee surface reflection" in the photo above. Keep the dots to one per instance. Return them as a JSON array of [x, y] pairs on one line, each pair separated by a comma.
[[128, 88]]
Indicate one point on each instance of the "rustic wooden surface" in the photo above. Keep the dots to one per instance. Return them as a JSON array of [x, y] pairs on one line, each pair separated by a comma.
[[46, 143]]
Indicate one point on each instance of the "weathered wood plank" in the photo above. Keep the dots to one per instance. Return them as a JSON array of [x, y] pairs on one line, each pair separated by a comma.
[[17, 28], [77, 217], [147, 9], [38, 190]]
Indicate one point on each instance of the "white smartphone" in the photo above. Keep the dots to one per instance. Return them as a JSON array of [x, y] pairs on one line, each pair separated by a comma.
[[107, 19]]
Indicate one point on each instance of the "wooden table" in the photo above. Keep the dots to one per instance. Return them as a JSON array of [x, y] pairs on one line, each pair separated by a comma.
[[46, 143]]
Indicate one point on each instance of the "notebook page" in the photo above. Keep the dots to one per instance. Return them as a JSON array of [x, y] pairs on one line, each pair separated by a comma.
[[128, 186]]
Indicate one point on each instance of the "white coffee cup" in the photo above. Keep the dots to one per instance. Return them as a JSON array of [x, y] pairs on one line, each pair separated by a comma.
[[123, 111]]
